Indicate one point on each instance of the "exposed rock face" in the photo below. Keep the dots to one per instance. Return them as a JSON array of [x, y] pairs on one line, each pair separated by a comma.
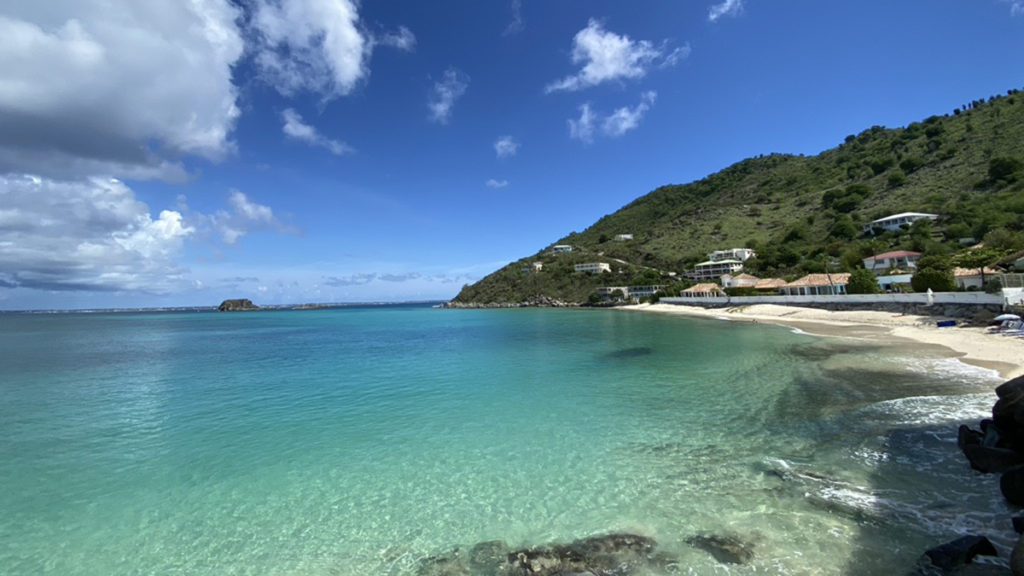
[[618, 554], [960, 552], [536, 302], [238, 305]]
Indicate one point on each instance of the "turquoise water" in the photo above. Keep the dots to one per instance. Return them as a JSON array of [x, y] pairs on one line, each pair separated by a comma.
[[359, 441]]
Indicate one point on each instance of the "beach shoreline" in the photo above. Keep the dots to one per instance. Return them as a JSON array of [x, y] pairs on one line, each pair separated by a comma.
[[971, 345]]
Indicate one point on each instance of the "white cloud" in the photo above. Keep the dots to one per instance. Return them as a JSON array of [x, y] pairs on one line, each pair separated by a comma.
[[1016, 7], [403, 39], [616, 124], [506, 147], [110, 86], [518, 23], [607, 56], [625, 119], [445, 93], [582, 129], [244, 217], [87, 235], [496, 184], [296, 129], [725, 8], [311, 45]]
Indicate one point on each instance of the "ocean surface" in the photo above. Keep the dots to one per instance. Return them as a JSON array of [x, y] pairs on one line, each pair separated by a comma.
[[360, 441]]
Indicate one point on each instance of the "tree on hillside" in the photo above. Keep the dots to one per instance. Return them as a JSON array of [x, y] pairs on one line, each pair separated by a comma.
[[863, 281], [1004, 170]]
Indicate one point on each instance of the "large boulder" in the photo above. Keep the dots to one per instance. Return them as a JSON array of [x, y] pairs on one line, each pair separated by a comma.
[[1011, 484], [960, 552], [992, 460], [1017, 558]]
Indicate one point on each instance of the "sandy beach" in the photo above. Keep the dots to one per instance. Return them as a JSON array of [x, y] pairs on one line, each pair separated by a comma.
[[972, 345]]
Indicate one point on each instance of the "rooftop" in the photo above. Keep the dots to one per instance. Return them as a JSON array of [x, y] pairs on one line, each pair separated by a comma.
[[703, 288], [896, 254], [812, 280], [906, 215], [769, 283], [965, 272], [711, 262]]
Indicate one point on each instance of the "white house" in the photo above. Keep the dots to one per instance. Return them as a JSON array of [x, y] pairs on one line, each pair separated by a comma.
[[902, 259], [704, 290], [713, 269], [534, 267], [972, 278], [739, 281], [890, 282], [561, 248], [741, 254], [594, 267], [896, 222], [631, 292], [623, 237], [817, 284]]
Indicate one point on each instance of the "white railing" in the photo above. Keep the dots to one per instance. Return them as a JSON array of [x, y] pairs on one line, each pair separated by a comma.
[[976, 298]]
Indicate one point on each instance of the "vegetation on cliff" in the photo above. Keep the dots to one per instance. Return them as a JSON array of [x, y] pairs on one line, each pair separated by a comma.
[[803, 214]]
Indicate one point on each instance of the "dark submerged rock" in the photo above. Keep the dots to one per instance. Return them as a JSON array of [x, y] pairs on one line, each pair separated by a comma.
[[725, 549], [960, 552], [612, 554], [237, 305]]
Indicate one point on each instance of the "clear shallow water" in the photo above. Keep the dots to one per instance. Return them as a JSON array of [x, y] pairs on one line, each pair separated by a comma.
[[359, 441]]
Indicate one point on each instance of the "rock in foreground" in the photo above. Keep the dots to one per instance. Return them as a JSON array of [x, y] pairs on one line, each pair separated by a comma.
[[618, 554], [238, 305]]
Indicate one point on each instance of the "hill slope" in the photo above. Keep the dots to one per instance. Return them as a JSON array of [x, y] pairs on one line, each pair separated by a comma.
[[803, 212]]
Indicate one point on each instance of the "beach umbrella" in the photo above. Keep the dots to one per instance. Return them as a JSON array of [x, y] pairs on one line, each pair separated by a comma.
[[1005, 317]]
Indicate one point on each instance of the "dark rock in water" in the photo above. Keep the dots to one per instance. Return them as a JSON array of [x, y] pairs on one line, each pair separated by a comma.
[[1011, 389], [960, 552], [1017, 558], [967, 437], [611, 555], [725, 549], [1011, 484], [992, 439], [992, 460], [629, 353], [238, 305], [487, 558]]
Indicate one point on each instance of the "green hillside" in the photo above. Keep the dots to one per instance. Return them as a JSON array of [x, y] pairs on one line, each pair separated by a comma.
[[803, 213]]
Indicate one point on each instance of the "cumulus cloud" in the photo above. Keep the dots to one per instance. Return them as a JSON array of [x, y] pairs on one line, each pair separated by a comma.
[[606, 56], [613, 125], [403, 39], [725, 8], [311, 45], [1016, 7], [496, 184], [85, 235], [116, 87], [445, 93], [296, 129], [506, 147], [625, 119], [242, 217]]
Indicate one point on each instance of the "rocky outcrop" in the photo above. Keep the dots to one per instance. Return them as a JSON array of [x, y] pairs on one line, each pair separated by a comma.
[[237, 305], [960, 552], [619, 554]]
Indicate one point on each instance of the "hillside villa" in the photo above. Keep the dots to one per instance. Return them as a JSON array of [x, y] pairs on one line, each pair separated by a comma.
[[703, 290], [739, 281], [722, 262], [533, 267], [631, 292], [974, 278], [817, 285], [901, 259], [561, 249], [896, 222], [593, 267], [623, 237]]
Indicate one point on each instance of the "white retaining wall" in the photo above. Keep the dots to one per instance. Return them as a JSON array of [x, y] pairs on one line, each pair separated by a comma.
[[968, 298]]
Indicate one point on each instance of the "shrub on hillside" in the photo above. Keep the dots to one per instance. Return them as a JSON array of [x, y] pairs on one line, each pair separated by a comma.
[[933, 279], [863, 281]]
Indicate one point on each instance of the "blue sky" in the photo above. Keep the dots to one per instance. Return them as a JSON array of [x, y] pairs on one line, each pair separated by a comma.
[[326, 150]]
